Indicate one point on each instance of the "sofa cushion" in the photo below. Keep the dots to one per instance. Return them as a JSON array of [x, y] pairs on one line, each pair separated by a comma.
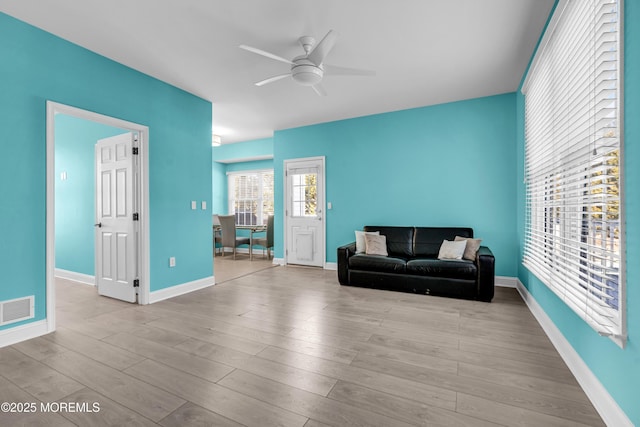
[[458, 269], [399, 240], [452, 250], [429, 239], [376, 244], [377, 263], [471, 249], [360, 243]]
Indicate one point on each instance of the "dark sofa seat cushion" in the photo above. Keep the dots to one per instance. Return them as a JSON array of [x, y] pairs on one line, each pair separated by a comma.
[[458, 269], [377, 263]]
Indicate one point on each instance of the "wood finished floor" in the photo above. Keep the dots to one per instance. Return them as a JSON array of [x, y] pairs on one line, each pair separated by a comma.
[[227, 268], [289, 346]]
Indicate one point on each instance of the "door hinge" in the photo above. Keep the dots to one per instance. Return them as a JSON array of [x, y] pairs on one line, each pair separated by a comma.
[[136, 217], [135, 151], [136, 283]]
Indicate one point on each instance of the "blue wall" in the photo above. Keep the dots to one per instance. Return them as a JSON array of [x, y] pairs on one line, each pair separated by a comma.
[[36, 67], [75, 197], [240, 151], [617, 369], [220, 198], [232, 158], [235, 157], [451, 164]]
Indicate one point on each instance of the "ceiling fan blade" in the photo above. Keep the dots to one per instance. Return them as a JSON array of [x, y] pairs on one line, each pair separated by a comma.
[[334, 70], [264, 53], [319, 89], [321, 50], [272, 79]]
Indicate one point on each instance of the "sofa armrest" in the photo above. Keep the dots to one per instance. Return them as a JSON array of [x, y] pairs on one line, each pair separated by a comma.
[[485, 262], [344, 253]]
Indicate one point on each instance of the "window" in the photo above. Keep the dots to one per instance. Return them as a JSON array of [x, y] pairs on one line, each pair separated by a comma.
[[251, 196], [305, 194], [573, 156]]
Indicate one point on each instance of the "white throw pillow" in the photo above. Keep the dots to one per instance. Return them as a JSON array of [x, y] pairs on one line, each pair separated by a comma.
[[361, 246], [472, 247], [376, 244], [452, 249]]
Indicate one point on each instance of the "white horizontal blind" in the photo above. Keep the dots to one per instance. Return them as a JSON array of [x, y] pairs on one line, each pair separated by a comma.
[[251, 196], [572, 163]]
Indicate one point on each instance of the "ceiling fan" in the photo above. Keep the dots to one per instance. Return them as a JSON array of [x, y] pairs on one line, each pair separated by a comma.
[[309, 69]]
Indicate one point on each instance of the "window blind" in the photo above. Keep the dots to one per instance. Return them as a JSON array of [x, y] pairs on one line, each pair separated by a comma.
[[251, 196], [573, 149]]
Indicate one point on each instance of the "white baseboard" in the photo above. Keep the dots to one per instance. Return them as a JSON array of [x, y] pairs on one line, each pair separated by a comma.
[[76, 277], [238, 250], [182, 289], [331, 266], [507, 282], [257, 251], [606, 406], [242, 250], [23, 332], [327, 265]]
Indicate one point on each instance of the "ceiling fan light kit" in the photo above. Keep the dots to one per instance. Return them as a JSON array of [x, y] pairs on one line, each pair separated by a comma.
[[307, 69], [306, 72]]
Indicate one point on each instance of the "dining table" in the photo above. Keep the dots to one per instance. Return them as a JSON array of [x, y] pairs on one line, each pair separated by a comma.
[[253, 229]]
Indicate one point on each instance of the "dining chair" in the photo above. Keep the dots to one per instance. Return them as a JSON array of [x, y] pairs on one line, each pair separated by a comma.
[[267, 240], [217, 234], [229, 237]]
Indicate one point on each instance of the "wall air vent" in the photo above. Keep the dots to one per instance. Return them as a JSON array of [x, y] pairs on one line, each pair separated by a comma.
[[16, 310]]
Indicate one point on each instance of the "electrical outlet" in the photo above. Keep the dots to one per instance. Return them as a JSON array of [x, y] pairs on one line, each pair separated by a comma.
[[172, 261]]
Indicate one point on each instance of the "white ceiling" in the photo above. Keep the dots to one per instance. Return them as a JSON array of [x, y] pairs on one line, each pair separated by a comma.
[[424, 52]]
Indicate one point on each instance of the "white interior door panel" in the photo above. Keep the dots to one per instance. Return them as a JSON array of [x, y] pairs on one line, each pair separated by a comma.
[[116, 236]]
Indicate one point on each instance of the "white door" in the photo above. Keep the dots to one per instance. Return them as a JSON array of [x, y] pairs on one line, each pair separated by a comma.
[[116, 237], [304, 212]]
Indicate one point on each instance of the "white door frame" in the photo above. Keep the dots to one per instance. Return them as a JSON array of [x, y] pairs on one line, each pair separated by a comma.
[[323, 194], [54, 108]]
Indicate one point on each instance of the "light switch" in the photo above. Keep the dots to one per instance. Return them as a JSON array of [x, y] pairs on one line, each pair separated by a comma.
[[329, 206], [194, 205], [172, 261], [204, 205]]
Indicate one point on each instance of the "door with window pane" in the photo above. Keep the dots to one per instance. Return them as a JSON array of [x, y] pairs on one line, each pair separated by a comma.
[[305, 241]]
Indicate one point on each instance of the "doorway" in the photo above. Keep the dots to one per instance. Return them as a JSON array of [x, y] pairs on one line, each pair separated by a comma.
[[139, 256], [304, 212]]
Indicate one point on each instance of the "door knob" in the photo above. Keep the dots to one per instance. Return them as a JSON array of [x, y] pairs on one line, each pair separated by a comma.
[[99, 225]]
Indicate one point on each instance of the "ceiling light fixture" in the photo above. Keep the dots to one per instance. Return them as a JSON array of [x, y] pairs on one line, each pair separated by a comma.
[[306, 72]]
